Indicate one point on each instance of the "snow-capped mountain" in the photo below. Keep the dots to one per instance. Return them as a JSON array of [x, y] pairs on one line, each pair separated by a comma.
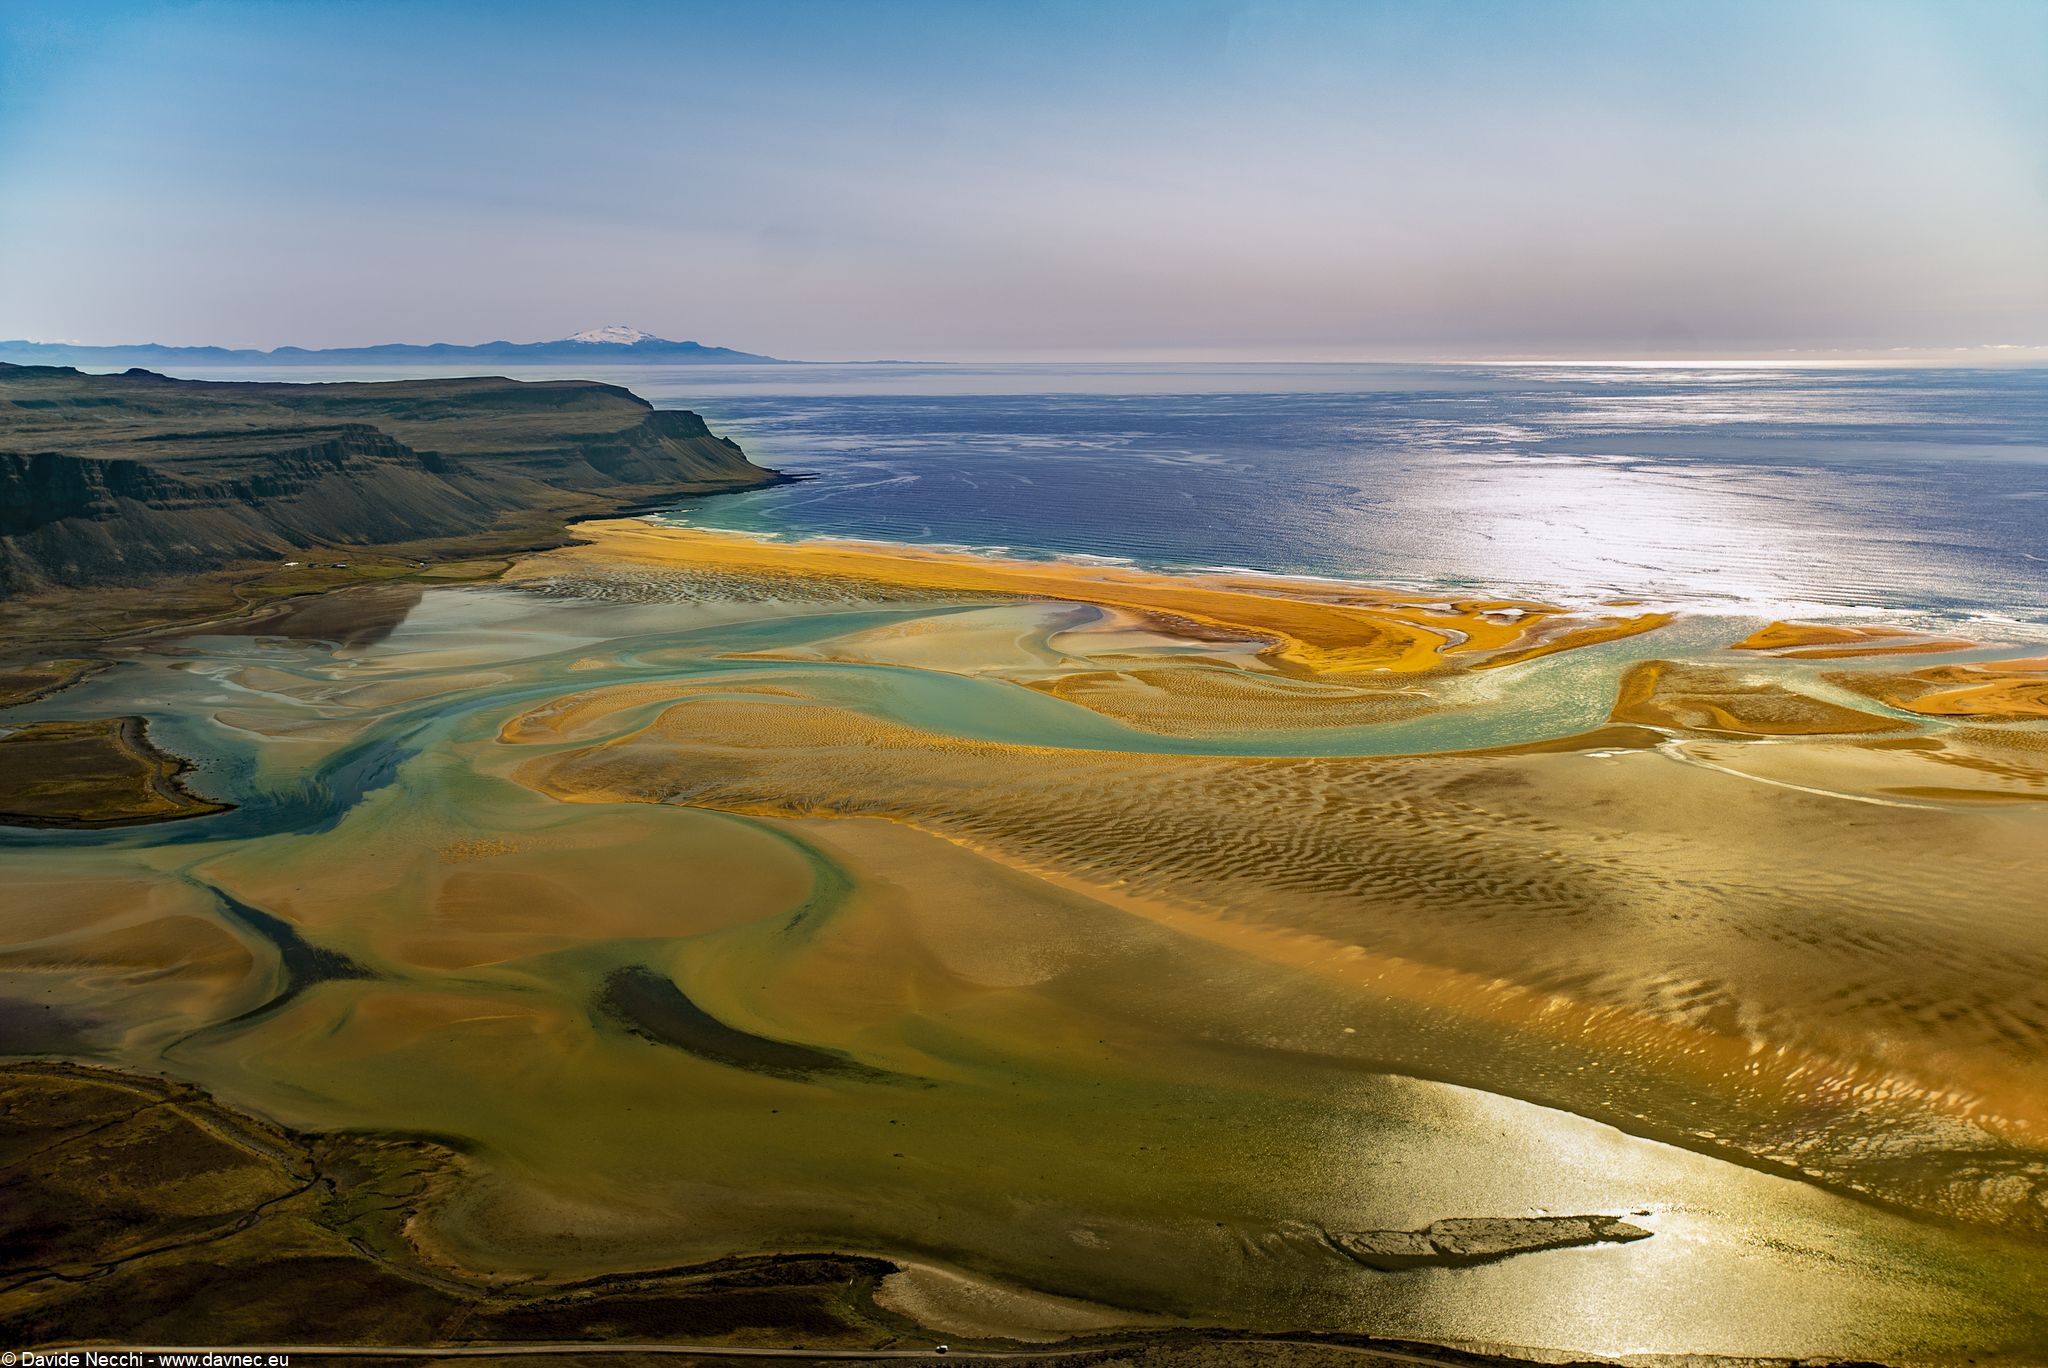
[[617, 335]]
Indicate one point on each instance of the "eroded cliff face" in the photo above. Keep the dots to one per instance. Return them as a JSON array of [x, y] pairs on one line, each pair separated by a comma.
[[127, 479], [665, 446], [69, 520]]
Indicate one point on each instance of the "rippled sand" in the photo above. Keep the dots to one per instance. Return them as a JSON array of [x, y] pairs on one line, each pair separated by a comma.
[[1108, 947]]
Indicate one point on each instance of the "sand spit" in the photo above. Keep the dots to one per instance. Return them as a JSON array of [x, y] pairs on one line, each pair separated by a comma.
[[1818, 641], [1310, 627]]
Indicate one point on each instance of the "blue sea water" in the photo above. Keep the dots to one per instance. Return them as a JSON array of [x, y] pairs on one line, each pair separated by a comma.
[[1917, 493], [1911, 491]]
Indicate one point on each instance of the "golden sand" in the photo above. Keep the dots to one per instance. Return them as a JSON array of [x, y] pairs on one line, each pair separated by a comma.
[[1444, 880], [1731, 702], [1818, 641], [121, 943], [1307, 627], [1610, 629], [1991, 691], [1196, 700]]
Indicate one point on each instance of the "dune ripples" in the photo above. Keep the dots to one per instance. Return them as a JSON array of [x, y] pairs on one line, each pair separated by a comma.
[[1764, 963], [1112, 937]]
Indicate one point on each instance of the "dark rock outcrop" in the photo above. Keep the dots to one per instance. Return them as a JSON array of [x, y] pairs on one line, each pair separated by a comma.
[[1461, 1241], [126, 479]]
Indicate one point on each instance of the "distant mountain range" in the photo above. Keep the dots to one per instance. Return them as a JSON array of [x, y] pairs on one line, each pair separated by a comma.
[[598, 346]]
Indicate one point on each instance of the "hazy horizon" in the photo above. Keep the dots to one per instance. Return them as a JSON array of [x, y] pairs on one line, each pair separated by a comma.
[[1048, 182]]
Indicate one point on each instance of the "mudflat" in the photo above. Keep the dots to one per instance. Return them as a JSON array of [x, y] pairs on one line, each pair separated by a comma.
[[1058, 950]]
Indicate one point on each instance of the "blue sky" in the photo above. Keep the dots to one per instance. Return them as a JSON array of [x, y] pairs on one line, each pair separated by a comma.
[[1022, 180]]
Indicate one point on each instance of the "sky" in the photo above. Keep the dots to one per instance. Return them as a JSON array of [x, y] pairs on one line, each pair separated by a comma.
[[1438, 179]]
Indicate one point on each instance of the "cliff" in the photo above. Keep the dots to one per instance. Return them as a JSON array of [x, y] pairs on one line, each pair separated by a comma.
[[126, 479]]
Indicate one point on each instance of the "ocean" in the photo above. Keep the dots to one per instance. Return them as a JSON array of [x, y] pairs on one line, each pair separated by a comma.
[[1915, 494], [1920, 493]]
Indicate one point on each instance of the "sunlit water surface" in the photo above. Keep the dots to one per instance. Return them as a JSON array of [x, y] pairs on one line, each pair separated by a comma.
[[1919, 491]]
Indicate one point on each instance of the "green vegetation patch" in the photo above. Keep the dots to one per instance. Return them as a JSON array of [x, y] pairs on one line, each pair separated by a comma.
[[92, 774], [26, 683], [141, 1210]]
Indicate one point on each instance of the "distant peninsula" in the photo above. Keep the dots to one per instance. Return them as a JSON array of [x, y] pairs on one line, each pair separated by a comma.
[[139, 479], [612, 346]]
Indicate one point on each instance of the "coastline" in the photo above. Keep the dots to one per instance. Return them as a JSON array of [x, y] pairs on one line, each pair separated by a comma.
[[1759, 610], [1308, 625], [1344, 633]]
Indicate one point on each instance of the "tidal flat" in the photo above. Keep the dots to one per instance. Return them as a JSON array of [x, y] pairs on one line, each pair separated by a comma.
[[1105, 948]]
